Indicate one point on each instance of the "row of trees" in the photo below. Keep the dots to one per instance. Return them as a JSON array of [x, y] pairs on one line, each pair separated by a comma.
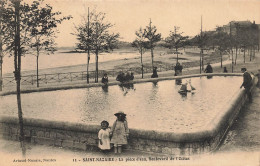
[[94, 36], [239, 38], [147, 39]]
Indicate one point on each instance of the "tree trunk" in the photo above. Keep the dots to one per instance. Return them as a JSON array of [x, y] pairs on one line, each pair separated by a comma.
[[200, 61], [232, 63], [18, 74], [96, 80], [37, 73], [88, 66], [250, 54], [221, 60], [254, 52], [245, 55], [152, 56], [88, 51], [177, 54], [236, 57], [142, 66]]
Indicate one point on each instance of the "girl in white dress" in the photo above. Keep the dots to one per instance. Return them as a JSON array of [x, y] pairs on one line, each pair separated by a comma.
[[103, 136]]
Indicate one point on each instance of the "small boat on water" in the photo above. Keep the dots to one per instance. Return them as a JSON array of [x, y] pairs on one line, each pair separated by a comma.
[[187, 87]]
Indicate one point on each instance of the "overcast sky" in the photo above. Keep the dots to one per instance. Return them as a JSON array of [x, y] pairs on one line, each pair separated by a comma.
[[129, 15]]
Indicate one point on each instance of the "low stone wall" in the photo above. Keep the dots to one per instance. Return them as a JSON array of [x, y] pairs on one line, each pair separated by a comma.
[[84, 137]]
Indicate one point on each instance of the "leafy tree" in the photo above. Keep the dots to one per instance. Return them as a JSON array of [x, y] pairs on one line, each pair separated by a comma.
[[2, 3], [222, 40], [17, 24], [152, 36], [254, 34], [11, 25], [42, 23], [94, 36], [202, 41], [141, 44], [176, 40]]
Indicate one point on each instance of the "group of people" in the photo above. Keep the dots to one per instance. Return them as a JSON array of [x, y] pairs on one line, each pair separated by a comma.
[[116, 137], [123, 78]]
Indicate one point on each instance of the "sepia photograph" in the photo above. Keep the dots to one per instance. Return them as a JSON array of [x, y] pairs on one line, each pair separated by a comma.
[[129, 82]]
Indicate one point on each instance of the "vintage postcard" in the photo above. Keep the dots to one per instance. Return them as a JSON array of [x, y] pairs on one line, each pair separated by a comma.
[[121, 82]]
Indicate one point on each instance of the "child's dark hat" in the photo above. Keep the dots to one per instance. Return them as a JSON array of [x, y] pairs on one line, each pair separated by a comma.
[[104, 121], [120, 113]]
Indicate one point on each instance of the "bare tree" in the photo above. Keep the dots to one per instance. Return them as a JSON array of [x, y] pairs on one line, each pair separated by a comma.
[[42, 23], [222, 41], [141, 44], [94, 36], [176, 40], [153, 37]]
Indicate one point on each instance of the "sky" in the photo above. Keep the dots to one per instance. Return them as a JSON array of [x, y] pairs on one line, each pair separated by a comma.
[[129, 15]]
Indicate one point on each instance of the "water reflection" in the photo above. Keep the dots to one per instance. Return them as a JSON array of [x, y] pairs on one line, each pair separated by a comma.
[[178, 81], [125, 87], [184, 95], [105, 88], [155, 83]]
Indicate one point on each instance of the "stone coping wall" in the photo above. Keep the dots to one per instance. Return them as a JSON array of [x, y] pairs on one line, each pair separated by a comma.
[[84, 137]]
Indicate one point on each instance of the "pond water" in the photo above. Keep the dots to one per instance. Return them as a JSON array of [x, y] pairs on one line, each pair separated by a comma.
[[150, 106]]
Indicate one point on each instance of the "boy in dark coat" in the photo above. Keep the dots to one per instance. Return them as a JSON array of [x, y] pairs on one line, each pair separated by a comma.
[[247, 83]]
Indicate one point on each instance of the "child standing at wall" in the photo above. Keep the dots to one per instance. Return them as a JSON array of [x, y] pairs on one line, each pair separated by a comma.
[[103, 136], [119, 132]]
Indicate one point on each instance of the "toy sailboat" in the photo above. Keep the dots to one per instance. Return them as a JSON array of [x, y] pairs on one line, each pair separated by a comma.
[[187, 87]]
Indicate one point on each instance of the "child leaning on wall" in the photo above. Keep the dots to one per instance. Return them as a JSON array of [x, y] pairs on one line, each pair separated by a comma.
[[119, 132], [103, 137]]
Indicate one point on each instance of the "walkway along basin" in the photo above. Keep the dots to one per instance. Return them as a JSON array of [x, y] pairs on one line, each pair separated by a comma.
[[176, 128]]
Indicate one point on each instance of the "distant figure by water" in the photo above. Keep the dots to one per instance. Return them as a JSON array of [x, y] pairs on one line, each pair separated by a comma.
[[104, 79], [121, 77], [178, 69], [125, 78], [132, 76], [225, 70], [154, 75], [208, 69]]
